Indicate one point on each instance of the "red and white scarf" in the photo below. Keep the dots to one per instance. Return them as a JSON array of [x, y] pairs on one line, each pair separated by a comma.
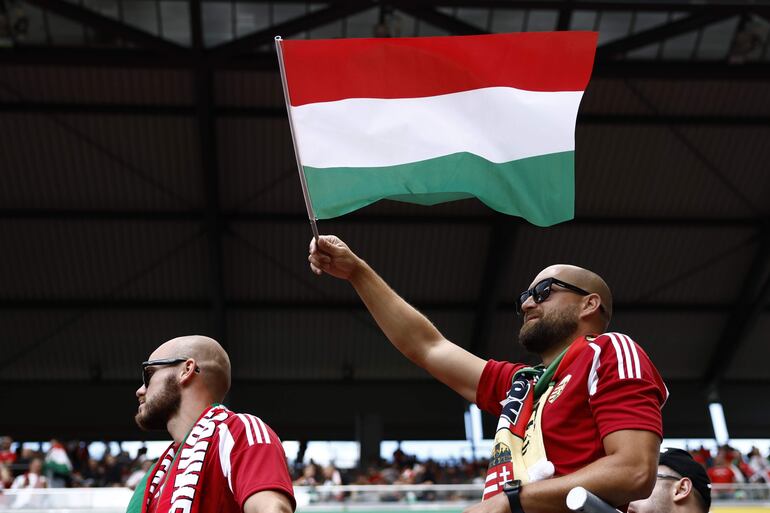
[[181, 469]]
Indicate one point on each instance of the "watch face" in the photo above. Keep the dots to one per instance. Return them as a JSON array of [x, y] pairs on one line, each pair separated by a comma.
[[511, 486]]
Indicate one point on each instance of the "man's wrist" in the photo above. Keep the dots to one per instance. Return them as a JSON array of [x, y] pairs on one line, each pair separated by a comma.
[[512, 490]]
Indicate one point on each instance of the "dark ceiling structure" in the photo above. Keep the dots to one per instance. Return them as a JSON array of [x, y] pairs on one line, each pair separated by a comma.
[[148, 189]]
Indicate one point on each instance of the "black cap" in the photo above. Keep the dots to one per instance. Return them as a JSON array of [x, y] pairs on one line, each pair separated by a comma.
[[682, 463]]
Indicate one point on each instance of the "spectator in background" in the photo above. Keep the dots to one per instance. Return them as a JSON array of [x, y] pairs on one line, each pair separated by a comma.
[[138, 474], [682, 486], [308, 477], [6, 478], [58, 466], [33, 478], [760, 467], [702, 456], [723, 473], [7, 456]]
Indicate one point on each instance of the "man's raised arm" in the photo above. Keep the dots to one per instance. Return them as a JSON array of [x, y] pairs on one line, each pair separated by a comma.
[[406, 328]]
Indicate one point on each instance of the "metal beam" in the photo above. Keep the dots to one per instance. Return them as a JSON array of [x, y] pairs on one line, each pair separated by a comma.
[[315, 19], [102, 23], [565, 15], [35, 107], [233, 216], [618, 48], [502, 239], [121, 58], [753, 299], [203, 79], [135, 305], [430, 14]]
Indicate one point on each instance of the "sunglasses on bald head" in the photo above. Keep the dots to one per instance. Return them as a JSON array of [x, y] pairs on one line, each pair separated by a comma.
[[147, 375], [542, 290]]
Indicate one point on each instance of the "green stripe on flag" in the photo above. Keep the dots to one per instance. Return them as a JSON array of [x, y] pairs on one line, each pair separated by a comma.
[[540, 189]]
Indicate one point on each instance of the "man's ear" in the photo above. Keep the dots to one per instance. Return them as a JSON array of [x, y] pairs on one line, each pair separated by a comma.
[[188, 370], [682, 489], [591, 303]]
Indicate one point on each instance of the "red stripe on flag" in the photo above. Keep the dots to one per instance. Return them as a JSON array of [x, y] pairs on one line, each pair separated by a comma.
[[335, 69]]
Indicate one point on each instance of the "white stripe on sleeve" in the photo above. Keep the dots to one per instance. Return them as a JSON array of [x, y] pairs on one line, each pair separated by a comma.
[[627, 353], [621, 370], [257, 431], [637, 367], [247, 428], [264, 430], [593, 375]]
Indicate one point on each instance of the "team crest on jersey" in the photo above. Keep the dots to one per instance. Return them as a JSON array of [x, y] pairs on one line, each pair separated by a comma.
[[558, 389]]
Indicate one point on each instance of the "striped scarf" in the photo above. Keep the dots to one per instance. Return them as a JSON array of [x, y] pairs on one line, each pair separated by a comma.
[[183, 469]]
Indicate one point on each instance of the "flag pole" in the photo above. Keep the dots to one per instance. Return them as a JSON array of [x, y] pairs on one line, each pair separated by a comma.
[[308, 203]]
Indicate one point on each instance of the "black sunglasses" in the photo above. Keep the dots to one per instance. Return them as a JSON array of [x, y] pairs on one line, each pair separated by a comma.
[[542, 290], [667, 476], [163, 361]]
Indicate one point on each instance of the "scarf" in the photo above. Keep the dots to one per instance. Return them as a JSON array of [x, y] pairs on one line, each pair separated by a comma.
[[181, 469], [519, 449]]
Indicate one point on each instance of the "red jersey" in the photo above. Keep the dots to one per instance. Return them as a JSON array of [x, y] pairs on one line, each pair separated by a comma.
[[610, 385], [7, 457], [244, 457], [722, 474]]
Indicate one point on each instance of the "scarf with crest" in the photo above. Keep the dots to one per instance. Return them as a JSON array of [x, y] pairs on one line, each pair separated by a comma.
[[519, 450], [181, 469]]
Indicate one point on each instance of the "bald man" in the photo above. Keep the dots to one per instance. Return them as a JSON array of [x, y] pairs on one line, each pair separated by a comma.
[[588, 416], [219, 460]]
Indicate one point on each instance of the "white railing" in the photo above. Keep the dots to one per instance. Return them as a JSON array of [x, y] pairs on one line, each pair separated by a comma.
[[94, 500], [353, 498]]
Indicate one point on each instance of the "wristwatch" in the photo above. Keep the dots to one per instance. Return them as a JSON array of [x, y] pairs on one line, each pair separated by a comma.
[[511, 490]]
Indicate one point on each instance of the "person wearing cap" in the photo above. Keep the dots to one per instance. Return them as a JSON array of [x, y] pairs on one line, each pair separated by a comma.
[[682, 486], [589, 415]]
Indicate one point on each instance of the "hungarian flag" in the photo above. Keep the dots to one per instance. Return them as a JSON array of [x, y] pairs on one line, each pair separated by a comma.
[[435, 119]]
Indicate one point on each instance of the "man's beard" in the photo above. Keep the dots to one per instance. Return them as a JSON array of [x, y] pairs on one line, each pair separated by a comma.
[[548, 331], [162, 407]]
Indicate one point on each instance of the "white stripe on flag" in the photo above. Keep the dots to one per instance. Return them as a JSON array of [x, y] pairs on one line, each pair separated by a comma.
[[491, 476], [619, 356], [500, 124], [489, 489], [247, 427]]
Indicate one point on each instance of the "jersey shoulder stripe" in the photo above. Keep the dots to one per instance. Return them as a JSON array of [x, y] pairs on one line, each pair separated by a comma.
[[626, 354]]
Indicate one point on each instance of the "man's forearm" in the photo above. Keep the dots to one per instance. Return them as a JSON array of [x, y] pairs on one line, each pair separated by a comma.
[[408, 330], [616, 478]]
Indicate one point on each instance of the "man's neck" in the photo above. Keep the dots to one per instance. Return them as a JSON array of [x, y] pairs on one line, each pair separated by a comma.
[[551, 354], [180, 424]]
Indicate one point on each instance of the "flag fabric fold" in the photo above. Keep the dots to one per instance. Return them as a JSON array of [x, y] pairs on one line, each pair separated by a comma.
[[435, 119]]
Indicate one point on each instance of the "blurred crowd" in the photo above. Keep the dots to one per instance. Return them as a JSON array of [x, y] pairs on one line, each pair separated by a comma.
[[67, 464], [70, 464]]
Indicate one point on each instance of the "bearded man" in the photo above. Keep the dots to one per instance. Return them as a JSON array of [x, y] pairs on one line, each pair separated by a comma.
[[588, 416], [219, 460]]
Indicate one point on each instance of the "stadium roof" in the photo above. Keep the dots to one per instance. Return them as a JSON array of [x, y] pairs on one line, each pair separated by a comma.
[[148, 190]]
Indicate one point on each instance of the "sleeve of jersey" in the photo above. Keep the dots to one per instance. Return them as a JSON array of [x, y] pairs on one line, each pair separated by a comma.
[[494, 385], [625, 390], [256, 460]]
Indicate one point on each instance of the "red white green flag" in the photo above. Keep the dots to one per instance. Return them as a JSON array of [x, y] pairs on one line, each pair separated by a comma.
[[435, 119]]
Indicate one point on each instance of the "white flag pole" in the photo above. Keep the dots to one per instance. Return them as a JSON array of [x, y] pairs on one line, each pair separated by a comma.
[[302, 180]]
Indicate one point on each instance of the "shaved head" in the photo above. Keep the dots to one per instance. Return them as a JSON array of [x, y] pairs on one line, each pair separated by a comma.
[[208, 355], [583, 278]]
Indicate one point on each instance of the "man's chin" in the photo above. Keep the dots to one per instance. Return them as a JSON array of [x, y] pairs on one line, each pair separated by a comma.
[[144, 425]]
